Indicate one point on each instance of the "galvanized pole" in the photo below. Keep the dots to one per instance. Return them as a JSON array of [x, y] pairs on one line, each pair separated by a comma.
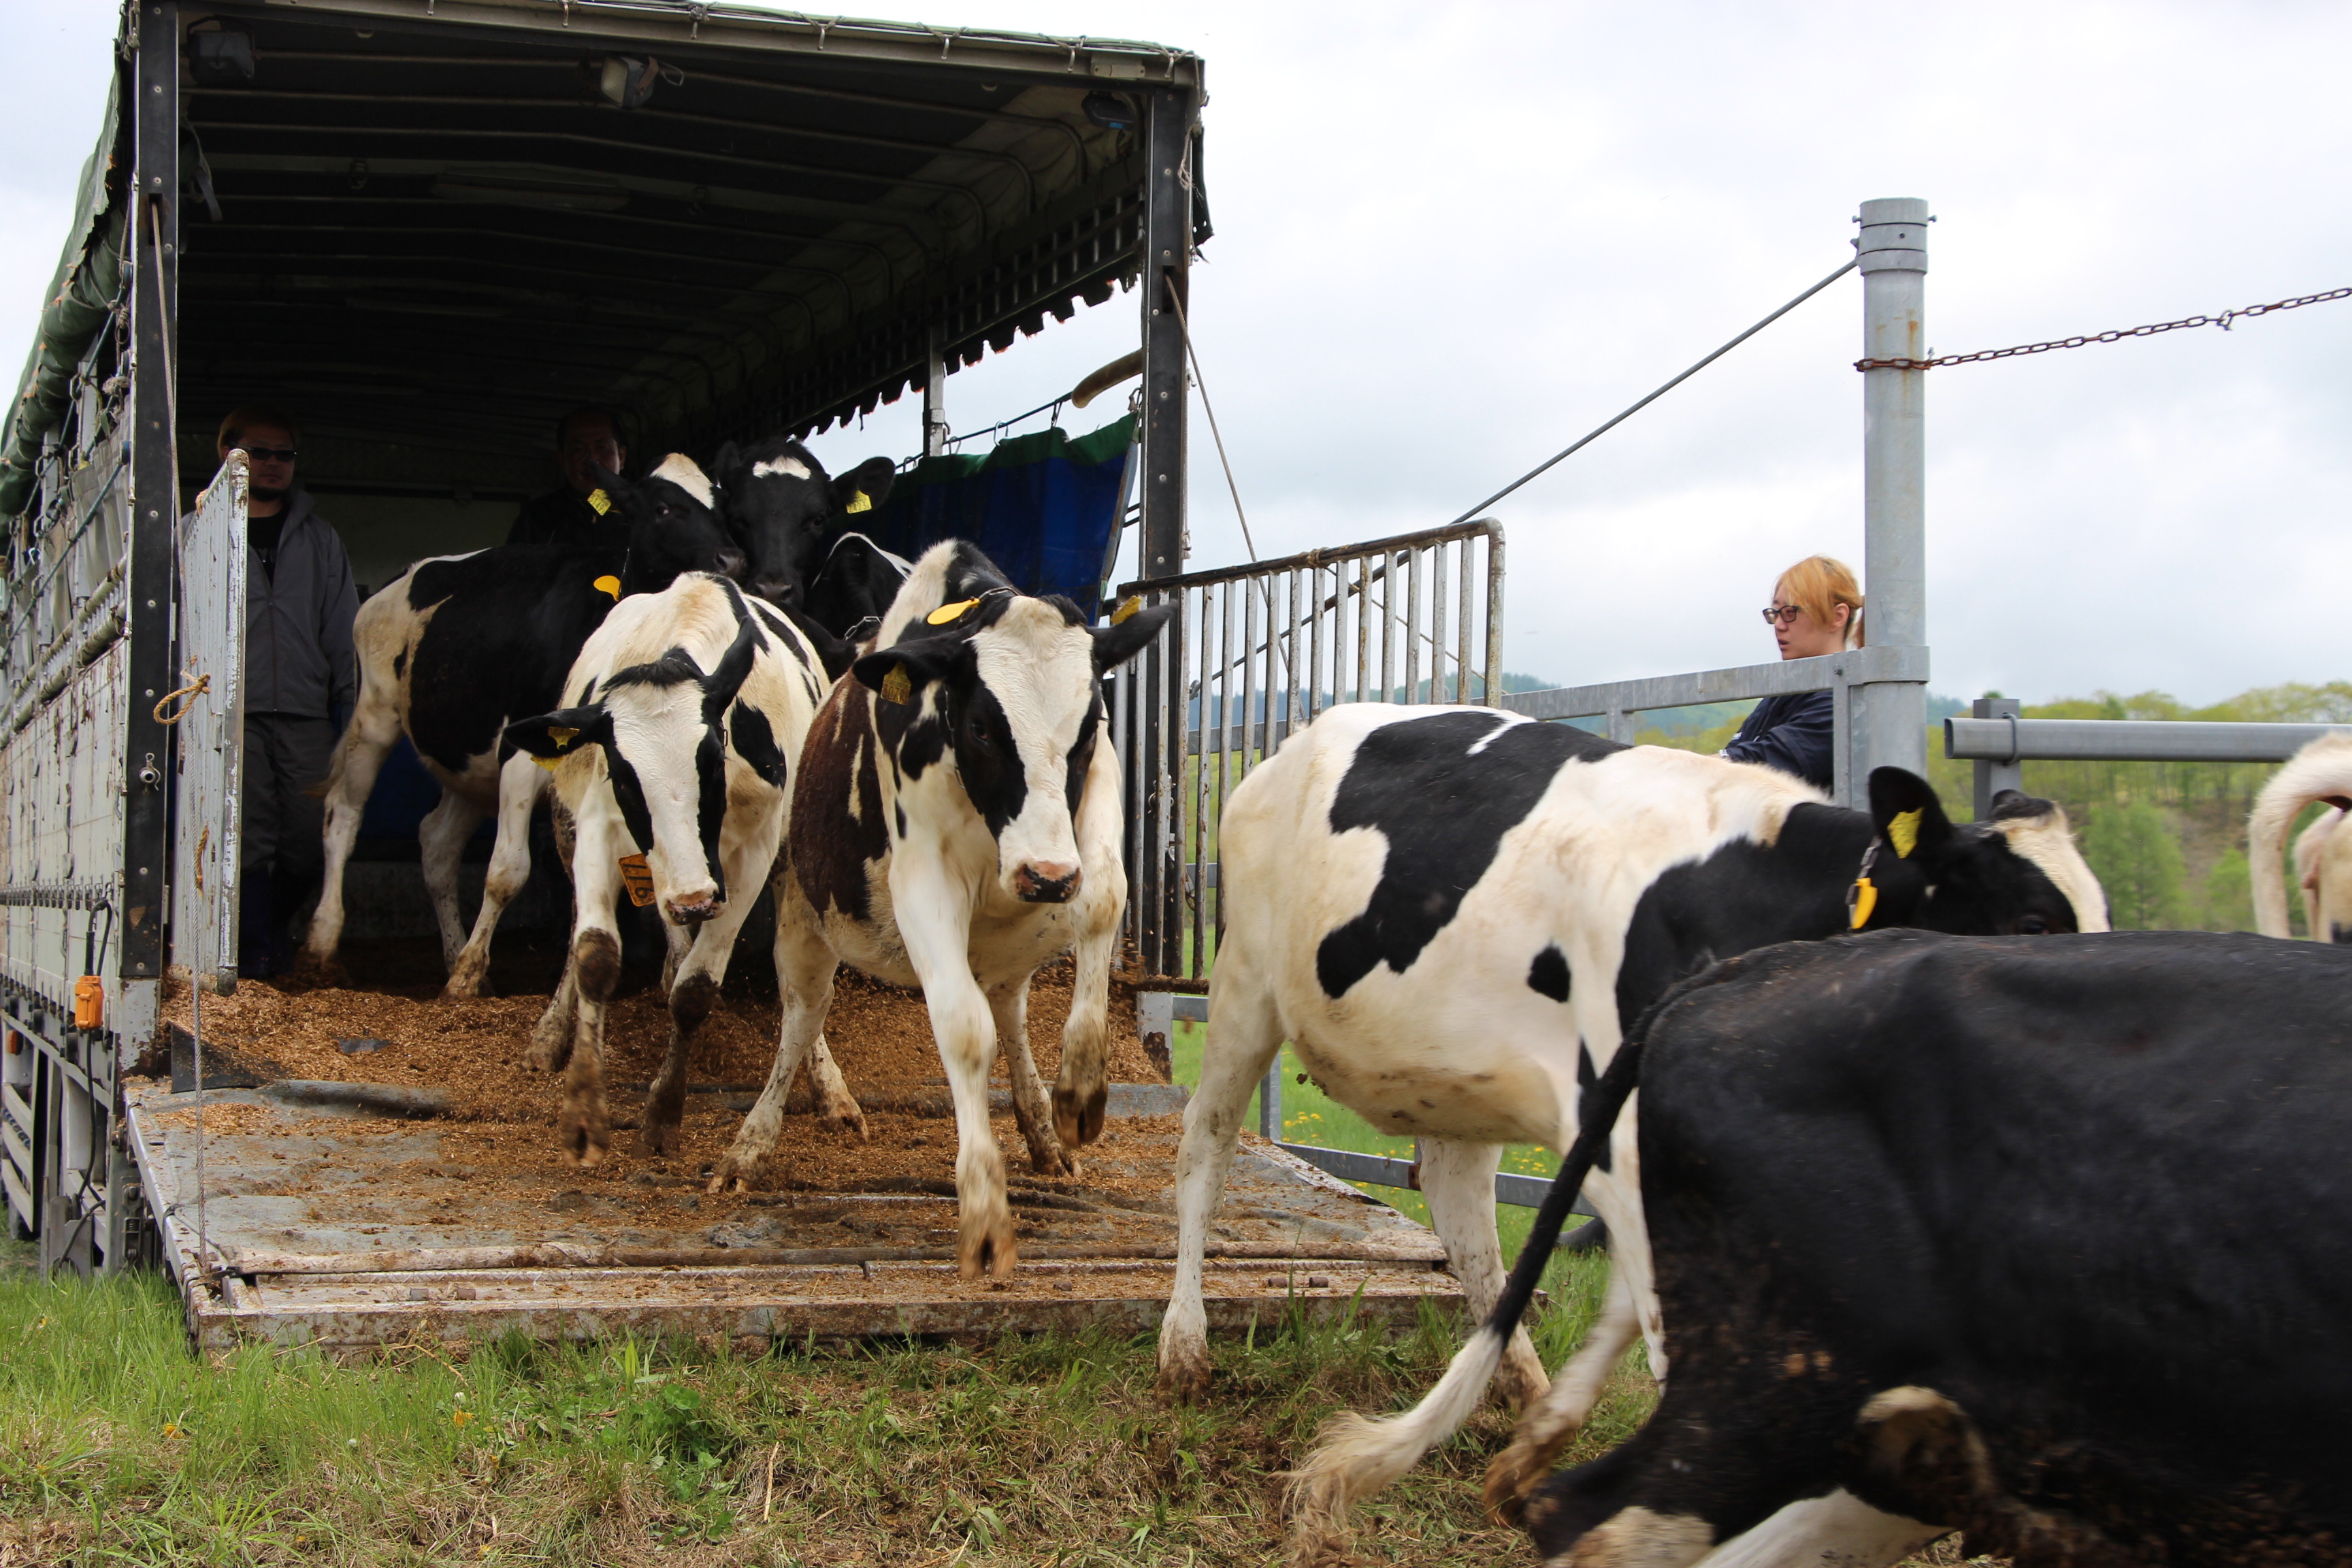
[[1167, 272], [1992, 777], [1890, 718], [935, 397]]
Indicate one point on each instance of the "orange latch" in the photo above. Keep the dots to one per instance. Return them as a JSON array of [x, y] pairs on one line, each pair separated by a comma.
[[89, 1003]]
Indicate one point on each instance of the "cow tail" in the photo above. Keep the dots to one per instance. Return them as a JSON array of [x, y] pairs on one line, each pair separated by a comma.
[[2318, 772], [1354, 1456]]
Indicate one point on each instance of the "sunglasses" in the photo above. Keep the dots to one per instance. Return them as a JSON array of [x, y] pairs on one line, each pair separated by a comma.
[[1783, 614], [270, 454]]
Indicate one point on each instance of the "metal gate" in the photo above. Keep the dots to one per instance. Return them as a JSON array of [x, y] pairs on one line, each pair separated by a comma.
[[207, 715], [1257, 651]]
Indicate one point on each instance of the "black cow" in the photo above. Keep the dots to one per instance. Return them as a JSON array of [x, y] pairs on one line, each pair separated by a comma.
[[782, 508], [2045, 1242], [459, 646], [853, 588]]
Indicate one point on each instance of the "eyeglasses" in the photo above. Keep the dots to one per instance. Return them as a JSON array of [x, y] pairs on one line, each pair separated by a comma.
[[1783, 614], [270, 454]]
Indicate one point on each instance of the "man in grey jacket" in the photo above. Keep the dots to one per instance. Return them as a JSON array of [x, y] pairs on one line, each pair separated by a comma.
[[301, 680]]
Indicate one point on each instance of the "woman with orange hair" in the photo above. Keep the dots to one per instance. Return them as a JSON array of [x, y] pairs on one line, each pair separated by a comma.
[[1816, 609]]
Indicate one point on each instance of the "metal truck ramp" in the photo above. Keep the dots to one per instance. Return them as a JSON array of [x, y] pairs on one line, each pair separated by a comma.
[[349, 1215]]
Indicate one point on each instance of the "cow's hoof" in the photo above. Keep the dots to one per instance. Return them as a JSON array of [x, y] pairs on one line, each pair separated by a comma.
[[986, 1250], [733, 1174], [586, 1138], [1059, 1164], [315, 971], [843, 1116], [466, 985], [1184, 1375], [1516, 1471], [660, 1137], [548, 1050], [1078, 1120]]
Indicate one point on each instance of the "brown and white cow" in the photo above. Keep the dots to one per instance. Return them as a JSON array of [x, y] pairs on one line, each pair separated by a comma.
[[674, 759], [956, 825]]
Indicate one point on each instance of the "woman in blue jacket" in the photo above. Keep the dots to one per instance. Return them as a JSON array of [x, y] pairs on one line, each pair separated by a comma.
[[1816, 609]]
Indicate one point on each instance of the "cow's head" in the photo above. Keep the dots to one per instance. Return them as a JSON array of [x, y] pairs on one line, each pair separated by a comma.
[[1008, 689], [662, 725], [2019, 874], [780, 504], [673, 525]]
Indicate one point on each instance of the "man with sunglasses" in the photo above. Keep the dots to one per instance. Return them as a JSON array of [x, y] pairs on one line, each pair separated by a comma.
[[575, 511], [301, 680]]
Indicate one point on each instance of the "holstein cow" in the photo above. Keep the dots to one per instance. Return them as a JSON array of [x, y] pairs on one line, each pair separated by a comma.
[[673, 758], [956, 825], [2319, 774], [2044, 1242], [782, 507], [1450, 913], [455, 648]]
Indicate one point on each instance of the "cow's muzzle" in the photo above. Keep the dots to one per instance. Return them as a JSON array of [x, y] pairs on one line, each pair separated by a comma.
[[693, 909], [1046, 882]]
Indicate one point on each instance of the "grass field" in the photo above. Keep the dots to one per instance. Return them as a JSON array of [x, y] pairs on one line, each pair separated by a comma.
[[119, 1444]]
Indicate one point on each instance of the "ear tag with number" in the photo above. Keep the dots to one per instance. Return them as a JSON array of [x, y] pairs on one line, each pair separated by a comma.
[[599, 502], [608, 583], [1903, 832], [895, 687], [1127, 609], [1865, 900], [946, 613], [639, 877], [857, 502]]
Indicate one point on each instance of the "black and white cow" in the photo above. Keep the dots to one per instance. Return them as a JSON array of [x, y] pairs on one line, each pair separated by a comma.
[[956, 825], [690, 710], [458, 646], [1450, 913], [856, 585], [785, 510], [2042, 1242], [2319, 774]]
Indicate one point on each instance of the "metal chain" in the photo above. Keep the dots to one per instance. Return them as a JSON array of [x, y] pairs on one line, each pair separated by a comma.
[[2222, 321]]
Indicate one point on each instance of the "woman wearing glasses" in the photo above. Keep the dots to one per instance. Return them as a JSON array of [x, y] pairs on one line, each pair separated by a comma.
[[1816, 609]]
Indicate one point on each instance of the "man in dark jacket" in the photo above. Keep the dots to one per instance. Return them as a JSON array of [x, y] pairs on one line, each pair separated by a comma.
[[575, 511], [301, 680]]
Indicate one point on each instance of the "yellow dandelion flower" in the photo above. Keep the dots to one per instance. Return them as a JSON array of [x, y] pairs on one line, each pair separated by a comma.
[[460, 1417]]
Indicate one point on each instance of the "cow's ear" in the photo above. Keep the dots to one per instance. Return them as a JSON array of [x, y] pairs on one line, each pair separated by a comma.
[[561, 734], [871, 479], [611, 483], [730, 458], [1909, 818], [896, 673], [1122, 640]]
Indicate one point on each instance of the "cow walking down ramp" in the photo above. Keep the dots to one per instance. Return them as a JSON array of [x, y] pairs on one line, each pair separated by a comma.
[[1450, 913], [458, 646], [2045, 1242], [674, 760], [955, 826]]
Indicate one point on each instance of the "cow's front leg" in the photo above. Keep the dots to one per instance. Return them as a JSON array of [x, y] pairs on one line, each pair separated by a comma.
[[934, 909], [520, 784], [583, 1128], [1458, 1180], [1082, 1087], [804, 971], [1009, 1007], [1243, 1035], [695, 991]]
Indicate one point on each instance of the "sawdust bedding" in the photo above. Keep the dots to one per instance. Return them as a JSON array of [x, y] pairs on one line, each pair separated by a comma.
[[503, 1114]]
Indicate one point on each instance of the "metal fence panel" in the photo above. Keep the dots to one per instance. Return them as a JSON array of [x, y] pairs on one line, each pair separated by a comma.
[[210, 729], [1255, 652]]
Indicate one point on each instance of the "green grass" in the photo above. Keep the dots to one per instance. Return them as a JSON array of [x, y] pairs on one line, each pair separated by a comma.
[[119, 1445]]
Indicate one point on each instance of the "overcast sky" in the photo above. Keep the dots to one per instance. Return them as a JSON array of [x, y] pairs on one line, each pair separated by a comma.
[[1452, 239]]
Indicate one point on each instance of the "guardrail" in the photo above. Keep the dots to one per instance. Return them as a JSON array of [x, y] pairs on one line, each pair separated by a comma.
[[1998, 741]]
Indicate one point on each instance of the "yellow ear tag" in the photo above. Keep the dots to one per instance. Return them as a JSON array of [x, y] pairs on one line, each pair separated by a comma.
[[561, 736], [857, 502], [1903, 832], [608, 583], [946, 613], [600, 503], [1865, 900], [895, 687], [550, 763], [1127, 609], [639, 877]]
